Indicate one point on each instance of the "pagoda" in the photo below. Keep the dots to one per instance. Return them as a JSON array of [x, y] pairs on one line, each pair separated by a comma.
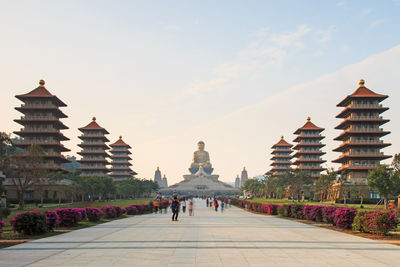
[[308, 154], [42, 126], [281, 156], [93, 150], [120, 169], [361, 133]]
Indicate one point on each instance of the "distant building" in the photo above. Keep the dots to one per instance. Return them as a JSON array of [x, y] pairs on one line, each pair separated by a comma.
[[308, 154], [121, 169], [42, 125], [361, 135], [157, 177], [93, 150], [237, 182], [72, 165], [244, 177], [164, 182], [281, 158]]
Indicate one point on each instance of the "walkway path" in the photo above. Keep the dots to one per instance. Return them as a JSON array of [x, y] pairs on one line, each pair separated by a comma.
[[232, 238]]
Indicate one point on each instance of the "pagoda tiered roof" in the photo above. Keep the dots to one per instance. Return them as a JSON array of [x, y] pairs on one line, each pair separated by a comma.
[[120, 160], [42, 125], [308, 148], [361, 132], [94, 155]]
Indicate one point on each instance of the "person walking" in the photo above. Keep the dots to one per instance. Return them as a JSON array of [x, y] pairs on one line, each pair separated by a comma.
[[156, 204], [216, 204], [222, 206], [208, 202], [191, 208], [175, 208], [183, 206]]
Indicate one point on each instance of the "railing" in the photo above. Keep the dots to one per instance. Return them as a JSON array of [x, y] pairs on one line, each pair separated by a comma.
[[354, 117], [360, 165], [355, 129], [47, 105], [364, 153], [39, 130], [365, 105], [38, 118]]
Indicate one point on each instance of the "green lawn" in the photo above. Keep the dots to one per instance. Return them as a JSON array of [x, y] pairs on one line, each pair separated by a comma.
[[283, 201]]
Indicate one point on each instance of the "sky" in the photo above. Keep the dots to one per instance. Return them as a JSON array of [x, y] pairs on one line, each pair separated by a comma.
[[234, 74]]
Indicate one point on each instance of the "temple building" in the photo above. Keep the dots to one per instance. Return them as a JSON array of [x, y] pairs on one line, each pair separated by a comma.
[[120, 165], [361, 133], [42, 126], [281, 156], [244, 176], [94, 155], [237, 182], [157, 177], [164, 182], [308, 154]]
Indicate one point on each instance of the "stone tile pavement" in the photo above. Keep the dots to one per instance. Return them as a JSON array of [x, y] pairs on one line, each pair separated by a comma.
[[232, 238]]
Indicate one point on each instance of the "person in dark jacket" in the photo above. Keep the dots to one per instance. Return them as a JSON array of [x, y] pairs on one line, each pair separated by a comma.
[[175, 208]]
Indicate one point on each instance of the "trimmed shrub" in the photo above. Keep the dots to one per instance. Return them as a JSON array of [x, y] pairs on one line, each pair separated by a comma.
[[344, 217], [30, 223], [82, 211], [112, 212], [69, 216], [377, 222], [52, 219], [1, 227], [313, 212], [93, 214], [328, 214], [271, 209], [297, 211], [132, 210], [281, 210]]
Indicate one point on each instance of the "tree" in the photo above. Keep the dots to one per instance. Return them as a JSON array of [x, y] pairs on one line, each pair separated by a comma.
[[324, 184], [396, 163], [27, 169], [254, 186], [296, 182], [385, 182], [6, 149]]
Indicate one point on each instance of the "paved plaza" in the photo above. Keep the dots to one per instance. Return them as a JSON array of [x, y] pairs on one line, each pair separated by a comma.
[[232, 238]]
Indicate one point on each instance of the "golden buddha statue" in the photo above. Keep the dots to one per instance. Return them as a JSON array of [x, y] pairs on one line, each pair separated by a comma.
[[201, 158]]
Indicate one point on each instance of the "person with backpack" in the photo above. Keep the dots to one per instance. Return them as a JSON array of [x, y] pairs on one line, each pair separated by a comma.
[[175, 208]]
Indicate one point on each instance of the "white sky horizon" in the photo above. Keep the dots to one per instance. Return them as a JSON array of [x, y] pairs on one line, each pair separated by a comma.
[[236, 76]]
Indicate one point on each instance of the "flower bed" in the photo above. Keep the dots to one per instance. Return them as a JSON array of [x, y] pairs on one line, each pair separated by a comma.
[[69, 216], [30, 223], [52, 219], [1, 227], [378, 222], [93, 214]]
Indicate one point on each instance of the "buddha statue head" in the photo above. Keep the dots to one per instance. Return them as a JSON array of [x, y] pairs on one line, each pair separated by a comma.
[[201, 145]]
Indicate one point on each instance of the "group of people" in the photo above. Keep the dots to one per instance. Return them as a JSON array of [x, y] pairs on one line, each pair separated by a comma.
[[175, 205], [178, 204], [214, 203]]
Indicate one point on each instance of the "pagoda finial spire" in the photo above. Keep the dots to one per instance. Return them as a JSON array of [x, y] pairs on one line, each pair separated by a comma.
[[120, 137], [94, 119], [41, 83], [361, 83], [282, 137], [308, 118]]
